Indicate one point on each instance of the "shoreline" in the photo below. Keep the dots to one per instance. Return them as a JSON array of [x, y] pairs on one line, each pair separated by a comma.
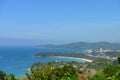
[[87, 60]]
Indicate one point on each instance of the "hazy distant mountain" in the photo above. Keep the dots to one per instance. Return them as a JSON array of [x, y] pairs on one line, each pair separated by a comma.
[[85, 45]]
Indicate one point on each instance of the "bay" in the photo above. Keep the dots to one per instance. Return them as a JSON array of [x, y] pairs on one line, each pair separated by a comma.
[[16, 60]]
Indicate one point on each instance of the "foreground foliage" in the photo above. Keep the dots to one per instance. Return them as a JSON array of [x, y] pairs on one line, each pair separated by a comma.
[[4, 76], [49, 72], [68, 72]]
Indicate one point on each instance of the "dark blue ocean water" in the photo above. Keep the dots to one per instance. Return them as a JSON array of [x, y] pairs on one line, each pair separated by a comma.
[[17, 60]]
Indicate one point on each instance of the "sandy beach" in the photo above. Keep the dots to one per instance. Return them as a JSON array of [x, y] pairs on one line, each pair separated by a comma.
[[87, 60]]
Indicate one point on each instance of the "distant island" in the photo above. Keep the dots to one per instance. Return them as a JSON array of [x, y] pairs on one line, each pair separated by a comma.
[[85, 45]]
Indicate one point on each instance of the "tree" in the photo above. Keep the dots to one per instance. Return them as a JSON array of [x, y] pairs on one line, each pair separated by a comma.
[[2, 75], [11, 77], [115, 77], [118, 59], [49, 72], [111, 70], [41, 73], [68, 73]]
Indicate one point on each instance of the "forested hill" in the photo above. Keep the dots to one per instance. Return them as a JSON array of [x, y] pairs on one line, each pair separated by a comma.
[[85, 45]]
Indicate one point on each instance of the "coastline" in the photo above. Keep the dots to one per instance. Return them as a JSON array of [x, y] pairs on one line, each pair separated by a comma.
[[87, 60]]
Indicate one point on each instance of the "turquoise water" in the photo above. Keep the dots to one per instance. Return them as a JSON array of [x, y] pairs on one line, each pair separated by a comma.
[[17, 60]]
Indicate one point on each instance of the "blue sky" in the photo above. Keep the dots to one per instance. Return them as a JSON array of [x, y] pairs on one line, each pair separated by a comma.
[[32, 22]]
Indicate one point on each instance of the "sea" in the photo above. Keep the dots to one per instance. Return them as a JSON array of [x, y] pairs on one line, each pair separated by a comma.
[[17, 60]]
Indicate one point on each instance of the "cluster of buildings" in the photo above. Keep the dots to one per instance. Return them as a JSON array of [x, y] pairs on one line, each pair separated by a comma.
[[101, 53]]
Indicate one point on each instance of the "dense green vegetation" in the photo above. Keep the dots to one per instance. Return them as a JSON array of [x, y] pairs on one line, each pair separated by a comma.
[[49, 71], [111, 70], [68, 72]]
